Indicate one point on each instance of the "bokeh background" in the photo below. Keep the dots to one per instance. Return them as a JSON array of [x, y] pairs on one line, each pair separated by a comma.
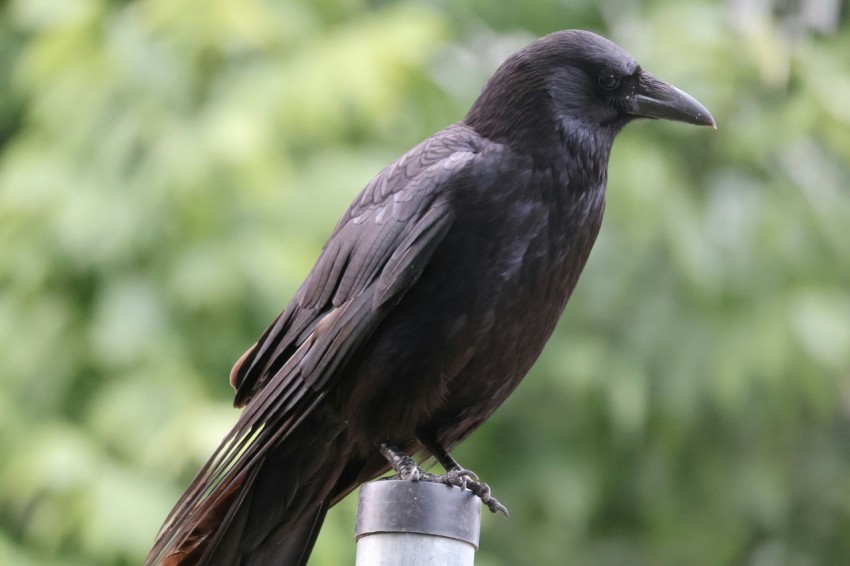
[[170, 169]]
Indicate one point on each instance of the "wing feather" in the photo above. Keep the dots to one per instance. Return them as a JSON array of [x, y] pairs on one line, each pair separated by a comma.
[[374, 255]]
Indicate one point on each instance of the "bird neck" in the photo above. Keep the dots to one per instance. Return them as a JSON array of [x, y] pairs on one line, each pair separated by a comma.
[[584, 152], [515, 109], [518, 112]]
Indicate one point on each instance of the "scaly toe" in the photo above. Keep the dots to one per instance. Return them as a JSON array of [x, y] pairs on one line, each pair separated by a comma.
[[482, 490], [408, 470], [463, 473]]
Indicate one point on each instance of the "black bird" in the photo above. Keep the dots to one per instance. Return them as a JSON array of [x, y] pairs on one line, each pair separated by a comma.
[[429, 303]]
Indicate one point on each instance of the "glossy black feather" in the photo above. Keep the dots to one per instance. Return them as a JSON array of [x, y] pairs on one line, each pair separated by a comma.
[[432, 298]]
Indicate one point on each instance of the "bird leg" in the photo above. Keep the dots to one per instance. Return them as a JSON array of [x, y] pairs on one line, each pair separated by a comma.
[[404, 465], [407, 469], [460, 477]]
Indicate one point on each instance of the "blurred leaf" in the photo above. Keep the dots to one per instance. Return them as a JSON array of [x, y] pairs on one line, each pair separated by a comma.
[[170, 170]]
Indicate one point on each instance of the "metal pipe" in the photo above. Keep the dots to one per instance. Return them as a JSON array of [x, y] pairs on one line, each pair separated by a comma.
[[405, 523]]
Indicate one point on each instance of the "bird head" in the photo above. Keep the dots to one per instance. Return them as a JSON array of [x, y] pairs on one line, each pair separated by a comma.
[[576, 82]]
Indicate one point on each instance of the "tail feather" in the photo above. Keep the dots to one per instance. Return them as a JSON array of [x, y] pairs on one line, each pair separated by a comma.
[[296, 545], [281, 442], [269, 514], [203, 539]]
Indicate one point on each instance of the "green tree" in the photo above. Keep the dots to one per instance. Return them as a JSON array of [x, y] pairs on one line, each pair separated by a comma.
[[169, 171]]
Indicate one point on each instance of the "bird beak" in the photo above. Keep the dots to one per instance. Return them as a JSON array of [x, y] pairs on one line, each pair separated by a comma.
[[656, 99]]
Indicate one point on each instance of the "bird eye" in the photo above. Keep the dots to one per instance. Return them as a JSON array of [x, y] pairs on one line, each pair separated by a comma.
[[609, 82]]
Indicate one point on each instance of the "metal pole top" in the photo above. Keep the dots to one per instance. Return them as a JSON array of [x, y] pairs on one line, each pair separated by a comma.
[[426, 508]]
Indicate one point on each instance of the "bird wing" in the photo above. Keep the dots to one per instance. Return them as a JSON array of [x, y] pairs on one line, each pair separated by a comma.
[[375, 253]]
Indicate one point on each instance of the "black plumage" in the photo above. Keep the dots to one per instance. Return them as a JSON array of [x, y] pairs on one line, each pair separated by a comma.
[[431, 300]]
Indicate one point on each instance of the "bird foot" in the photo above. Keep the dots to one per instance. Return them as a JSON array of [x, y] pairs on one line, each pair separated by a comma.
[[406, 469], [467, 479], [482, 491], [459, 477]]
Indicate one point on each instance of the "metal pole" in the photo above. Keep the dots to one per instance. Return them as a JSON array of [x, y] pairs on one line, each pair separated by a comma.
[[405, 523]]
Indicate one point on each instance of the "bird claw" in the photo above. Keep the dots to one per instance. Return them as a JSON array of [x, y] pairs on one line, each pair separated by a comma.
[[407, 469], [467, 479], [482, 491], [459, 477], [463, 473]]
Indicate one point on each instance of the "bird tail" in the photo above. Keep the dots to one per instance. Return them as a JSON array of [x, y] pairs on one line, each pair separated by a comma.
[[259, 522], [295, 548], [271, 515], [267, 487]]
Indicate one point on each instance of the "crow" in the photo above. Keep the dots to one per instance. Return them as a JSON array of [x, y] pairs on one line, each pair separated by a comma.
[[428, 304]]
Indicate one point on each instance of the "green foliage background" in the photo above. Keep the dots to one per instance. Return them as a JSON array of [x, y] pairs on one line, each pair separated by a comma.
[[169, 170]]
